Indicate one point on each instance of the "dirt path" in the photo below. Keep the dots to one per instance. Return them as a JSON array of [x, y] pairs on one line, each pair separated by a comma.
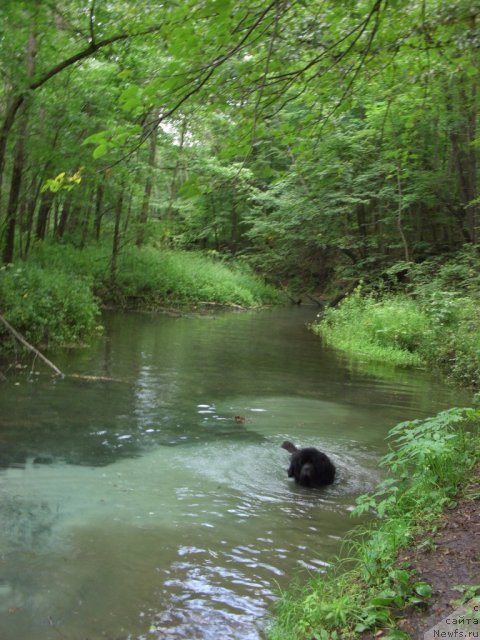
[[453, 559]]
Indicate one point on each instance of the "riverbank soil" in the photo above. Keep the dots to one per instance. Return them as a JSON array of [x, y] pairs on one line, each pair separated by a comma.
[[452, 559]]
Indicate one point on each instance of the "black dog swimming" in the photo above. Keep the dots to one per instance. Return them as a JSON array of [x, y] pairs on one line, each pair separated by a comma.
[[310, 467]]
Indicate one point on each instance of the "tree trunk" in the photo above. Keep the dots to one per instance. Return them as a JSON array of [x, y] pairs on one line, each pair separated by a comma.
[[234, 228], [176, 171], [15, 104], [62, 225], [86, 223], [43, 211], [143, 217], [116, 239], [11, 219], [18, 159], [462, 107], [129, 212], [99, 210], [406, 252]]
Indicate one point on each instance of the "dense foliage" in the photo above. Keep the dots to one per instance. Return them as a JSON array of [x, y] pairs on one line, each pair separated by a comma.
[[50, 306], [319, 141], [54, 297], [436, 322]]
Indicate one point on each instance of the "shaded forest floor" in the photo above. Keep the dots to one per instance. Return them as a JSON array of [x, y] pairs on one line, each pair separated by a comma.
[[452, 559]]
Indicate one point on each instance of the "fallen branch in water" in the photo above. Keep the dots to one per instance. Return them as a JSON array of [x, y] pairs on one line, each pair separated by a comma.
[[79, 376], [22, 340], [231, 305]]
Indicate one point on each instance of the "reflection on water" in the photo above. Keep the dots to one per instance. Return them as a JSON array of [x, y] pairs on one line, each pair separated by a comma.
[[139, 507]]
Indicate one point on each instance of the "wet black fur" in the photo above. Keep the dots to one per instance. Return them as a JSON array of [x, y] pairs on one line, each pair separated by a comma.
[[310, 467]]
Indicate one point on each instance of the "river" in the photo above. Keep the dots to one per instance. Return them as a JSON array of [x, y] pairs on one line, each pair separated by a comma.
[[136, 507]]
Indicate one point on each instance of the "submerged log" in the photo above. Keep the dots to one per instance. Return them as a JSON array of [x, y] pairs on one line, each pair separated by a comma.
[[79, 376], [26, 344]]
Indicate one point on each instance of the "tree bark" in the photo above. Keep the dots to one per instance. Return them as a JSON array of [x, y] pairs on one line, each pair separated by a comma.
[[99, 210], [18, 159], [143, 217], [17, 171], [116, 239]]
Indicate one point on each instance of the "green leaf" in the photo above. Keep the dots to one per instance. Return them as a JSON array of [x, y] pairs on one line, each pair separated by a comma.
[[423, 589], [96, 138], [382, 601], [100, 151], [131, 98]]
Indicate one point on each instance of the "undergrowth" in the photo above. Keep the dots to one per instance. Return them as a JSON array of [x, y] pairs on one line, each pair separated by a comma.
[[390, 329], [367, 586], [152, 277], [434, 319], [54, 297], [48, 307]]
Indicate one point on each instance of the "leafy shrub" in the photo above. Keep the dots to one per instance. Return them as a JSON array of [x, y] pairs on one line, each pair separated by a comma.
[[155, 277], [390, 329], [181, 277], [47, 306], [436, 326], [454, 343], [460, 273]]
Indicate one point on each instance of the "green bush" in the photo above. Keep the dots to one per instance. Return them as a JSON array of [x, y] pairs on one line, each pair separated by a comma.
[[181, 277], [454, 343], [47, 306], [156, 277], [390, 329], [435, 326]]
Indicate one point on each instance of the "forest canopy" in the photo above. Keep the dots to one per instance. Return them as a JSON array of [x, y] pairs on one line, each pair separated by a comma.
[[310, 139]]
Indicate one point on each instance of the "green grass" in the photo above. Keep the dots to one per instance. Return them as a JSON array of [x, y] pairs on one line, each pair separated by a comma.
[[388, 330], [180, 277], [367, 586], [150, 277], [55, 296], [430, 327], [47, 306]]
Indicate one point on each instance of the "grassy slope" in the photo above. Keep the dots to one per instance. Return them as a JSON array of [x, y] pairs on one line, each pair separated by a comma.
[[441, 329], [54, 297]]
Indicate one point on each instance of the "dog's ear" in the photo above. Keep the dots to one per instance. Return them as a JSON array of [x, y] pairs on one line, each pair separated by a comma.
[[289, 446]]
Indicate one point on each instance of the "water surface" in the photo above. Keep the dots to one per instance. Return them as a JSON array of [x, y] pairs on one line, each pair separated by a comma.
[[137, 507]]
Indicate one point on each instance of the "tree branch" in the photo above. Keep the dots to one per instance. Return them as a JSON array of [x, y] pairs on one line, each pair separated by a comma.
[[22, 340]]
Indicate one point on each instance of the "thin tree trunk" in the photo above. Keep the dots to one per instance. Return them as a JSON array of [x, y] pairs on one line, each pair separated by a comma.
[[176, 171], [400, 216], [116, 239], [143, 217], [62, 225], [99, 210], [86, 223], [129, 212], [15, 104], [234, 228], [11, 220]]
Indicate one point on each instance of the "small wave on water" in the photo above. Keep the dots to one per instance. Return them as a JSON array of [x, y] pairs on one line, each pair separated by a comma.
[[187, 524], [194, 536]]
